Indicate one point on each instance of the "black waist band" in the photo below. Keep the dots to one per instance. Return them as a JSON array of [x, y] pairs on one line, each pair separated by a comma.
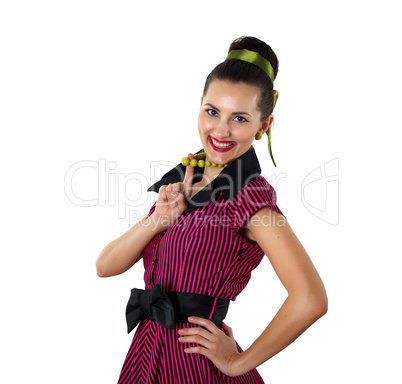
[[169, 308]]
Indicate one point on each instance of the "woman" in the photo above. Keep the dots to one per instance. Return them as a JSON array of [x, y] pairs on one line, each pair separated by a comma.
[[213, 221]]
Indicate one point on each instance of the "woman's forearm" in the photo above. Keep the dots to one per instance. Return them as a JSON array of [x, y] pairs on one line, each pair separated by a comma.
[[296, 314], [121, 254]]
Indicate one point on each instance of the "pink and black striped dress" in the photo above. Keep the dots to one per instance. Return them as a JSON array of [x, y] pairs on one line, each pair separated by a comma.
[[201, 252]]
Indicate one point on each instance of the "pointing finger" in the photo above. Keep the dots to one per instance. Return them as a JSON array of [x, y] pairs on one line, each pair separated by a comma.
[[188, 178]]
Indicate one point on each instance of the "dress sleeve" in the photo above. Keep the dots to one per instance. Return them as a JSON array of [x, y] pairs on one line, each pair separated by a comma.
[[252, 197]]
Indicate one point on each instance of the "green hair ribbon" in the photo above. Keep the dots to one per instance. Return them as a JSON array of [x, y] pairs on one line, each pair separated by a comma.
[[261, 62]]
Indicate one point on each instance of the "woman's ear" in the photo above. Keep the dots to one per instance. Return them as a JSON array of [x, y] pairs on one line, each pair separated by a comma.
[[266, 124]]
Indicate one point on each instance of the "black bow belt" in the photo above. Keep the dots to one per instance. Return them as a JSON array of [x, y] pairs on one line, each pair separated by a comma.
[[169, 308]]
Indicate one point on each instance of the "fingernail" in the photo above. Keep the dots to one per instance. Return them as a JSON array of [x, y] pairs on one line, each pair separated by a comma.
[[191, 318], [174, 193]]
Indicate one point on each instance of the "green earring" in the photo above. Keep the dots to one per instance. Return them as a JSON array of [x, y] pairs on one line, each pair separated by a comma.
[[258, 136], [269, 144]]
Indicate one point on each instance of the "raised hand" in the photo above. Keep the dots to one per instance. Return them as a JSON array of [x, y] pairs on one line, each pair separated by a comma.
[[172, 199]]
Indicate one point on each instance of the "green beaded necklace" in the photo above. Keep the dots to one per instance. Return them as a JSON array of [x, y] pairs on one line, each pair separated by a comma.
[[201, 163]]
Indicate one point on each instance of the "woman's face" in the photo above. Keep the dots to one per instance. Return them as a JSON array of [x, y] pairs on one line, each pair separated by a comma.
[[229, 119]]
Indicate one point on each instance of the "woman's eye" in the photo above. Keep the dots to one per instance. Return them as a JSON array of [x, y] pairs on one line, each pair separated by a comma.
[[241, 119], [211, 112]]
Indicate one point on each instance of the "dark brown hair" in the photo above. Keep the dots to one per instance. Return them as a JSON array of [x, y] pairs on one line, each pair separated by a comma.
[[238, 71]]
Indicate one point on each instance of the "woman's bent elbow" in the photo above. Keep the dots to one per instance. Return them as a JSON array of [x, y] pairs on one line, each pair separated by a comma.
[[320, 307], [100, 270]]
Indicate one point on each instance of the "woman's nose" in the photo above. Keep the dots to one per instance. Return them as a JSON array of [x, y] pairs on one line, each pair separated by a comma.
[[222, 130]]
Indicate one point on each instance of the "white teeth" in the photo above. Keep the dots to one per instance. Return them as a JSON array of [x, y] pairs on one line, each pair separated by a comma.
[[221, 145]]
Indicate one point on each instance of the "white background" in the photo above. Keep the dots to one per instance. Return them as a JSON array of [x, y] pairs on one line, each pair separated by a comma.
[[120, 82]]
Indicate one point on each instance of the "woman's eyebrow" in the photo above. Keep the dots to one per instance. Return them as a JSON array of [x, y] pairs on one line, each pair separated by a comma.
[[234, 113]]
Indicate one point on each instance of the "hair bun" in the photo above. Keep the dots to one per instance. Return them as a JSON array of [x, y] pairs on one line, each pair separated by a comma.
[[256, 45]]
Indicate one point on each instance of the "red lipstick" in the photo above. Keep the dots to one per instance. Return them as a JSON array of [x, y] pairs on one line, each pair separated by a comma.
[[223, 142]]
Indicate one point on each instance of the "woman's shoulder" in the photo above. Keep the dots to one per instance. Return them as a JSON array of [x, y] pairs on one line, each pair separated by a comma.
[[255, 191], [254, 195]]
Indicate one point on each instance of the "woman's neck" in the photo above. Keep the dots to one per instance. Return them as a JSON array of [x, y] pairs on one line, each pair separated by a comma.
[[210, 173]]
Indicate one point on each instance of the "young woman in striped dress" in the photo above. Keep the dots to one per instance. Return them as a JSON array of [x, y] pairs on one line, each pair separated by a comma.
[[212, 223]]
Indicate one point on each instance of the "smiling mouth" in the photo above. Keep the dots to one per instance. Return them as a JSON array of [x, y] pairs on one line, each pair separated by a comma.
[[221, 145]]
